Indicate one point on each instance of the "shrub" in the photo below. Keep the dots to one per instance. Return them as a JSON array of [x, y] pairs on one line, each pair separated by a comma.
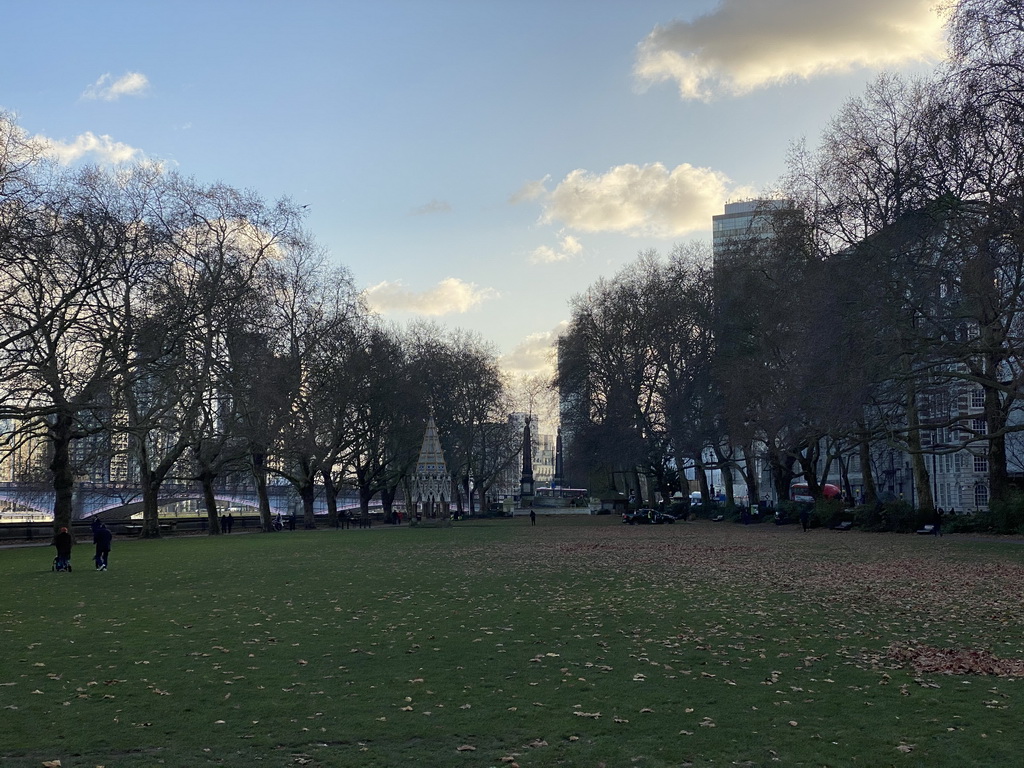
[[966, 523], [679, 509], [829, 513], [896, 516], [710, 510], [788, 511], [1007, 515]]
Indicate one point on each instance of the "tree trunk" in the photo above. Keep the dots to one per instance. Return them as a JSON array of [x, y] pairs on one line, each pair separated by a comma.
[[922, 480], [365, 497], [210, 500], [259, 476], [782, 472], [387, 500], [702, 480], [635, 478], [63, 474], [750, 474], [995, 421], [150, 505], [870, 492], [808, 459], [483, 499], [331, 497], [725, 467], [307, 492]]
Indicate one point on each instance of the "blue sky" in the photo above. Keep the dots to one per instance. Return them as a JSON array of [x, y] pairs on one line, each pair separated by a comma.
[[478, 162]]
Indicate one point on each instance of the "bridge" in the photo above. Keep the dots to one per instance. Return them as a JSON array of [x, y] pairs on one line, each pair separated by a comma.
[[34, 501]]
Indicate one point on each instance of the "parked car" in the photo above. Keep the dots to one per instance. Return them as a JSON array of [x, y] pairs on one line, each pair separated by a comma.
[[647, 517]]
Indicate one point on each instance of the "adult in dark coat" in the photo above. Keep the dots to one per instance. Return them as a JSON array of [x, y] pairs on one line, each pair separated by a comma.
[[63, 542], [102, 539]]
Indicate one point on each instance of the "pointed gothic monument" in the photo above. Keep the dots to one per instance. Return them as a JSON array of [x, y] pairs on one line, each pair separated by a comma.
[[558, 479], [526, 481], [431, 485]]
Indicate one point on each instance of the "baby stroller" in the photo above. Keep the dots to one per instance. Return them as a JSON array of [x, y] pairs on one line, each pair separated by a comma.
[[61, 564]]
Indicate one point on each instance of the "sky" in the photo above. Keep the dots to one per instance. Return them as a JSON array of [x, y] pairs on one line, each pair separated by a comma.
[[477, 163]]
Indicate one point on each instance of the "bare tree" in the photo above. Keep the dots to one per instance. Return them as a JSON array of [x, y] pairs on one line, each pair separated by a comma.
[[467, 393]]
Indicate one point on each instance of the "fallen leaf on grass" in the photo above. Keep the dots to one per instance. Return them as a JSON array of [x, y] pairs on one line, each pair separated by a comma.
[[903, 747], [466, 748], [955, 661], [594, 715], [51, 764]]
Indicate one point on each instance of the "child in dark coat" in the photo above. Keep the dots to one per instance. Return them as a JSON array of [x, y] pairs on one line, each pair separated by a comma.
[[102, 539]]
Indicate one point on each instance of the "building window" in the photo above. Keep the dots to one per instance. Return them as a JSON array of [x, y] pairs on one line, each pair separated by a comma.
[[979, 426], [981, 464], [978, 398], [980, 495]]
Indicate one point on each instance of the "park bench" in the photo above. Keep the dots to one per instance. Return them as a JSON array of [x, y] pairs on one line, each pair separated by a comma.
[[927, 530]]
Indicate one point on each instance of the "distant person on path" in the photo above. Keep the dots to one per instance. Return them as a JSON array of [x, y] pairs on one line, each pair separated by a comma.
[[937, 522], [231, 522], [805, 518], [63, 542], [102, 539], [223, 523], [533, 517]]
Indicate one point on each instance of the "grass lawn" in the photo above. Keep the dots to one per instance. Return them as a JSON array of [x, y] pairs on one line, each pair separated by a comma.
[[578, 642]]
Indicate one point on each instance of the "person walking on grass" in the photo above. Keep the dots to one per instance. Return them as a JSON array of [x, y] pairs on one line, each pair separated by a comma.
[[533, 517], [102, 539], [63, 542]]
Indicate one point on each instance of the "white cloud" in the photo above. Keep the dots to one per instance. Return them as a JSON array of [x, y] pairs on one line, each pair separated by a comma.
[[531, 190], [102, 150], [450, 296], [639, 200], [109, 89], [434, 206], [535, 354], [568, 248], [747, 44]]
